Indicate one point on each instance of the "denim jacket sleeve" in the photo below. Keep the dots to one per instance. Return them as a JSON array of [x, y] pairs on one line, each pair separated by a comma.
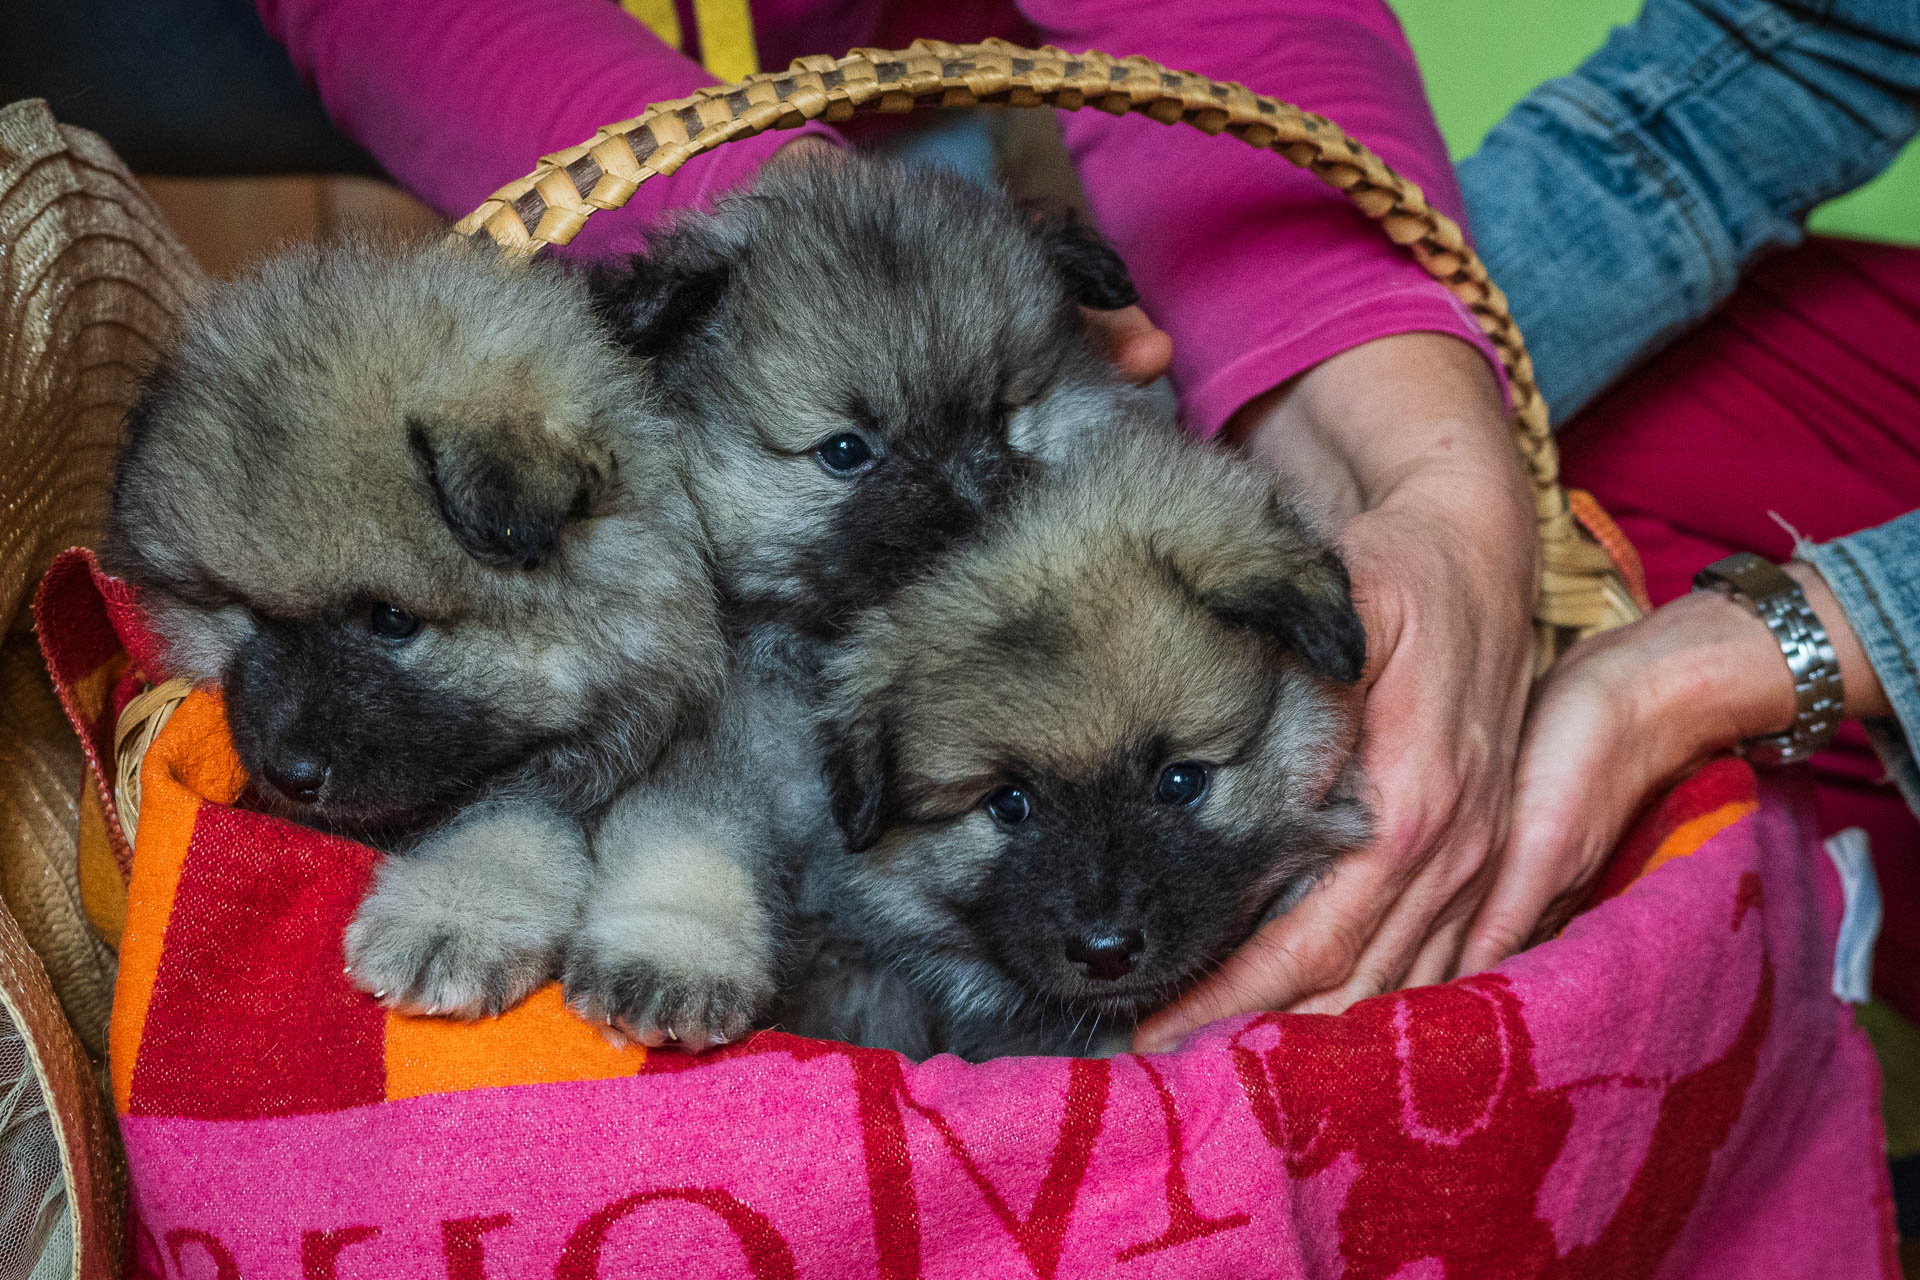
[[1875, 574], [1617, 204]]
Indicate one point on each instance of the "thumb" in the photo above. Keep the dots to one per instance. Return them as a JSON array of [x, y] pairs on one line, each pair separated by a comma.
[[1130, 340]]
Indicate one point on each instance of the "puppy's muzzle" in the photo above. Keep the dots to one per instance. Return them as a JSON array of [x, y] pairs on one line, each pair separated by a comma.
[[300, 778], [1105, 953]]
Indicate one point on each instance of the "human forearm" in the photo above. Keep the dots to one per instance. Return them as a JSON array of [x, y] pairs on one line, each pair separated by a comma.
[[1258, 270], [1618, 204], [455, 98]]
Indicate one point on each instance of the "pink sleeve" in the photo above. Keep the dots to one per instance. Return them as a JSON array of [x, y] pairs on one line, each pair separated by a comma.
[[1257, 269], [456, 97]]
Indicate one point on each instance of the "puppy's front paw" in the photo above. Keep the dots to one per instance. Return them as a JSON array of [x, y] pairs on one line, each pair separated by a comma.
[[421, 946], [660, 1000]]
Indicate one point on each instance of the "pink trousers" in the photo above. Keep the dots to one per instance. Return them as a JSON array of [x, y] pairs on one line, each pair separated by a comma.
[[1797, 404]]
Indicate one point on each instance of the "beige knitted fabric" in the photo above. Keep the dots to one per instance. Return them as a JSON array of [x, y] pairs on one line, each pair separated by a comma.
[[90, 279]]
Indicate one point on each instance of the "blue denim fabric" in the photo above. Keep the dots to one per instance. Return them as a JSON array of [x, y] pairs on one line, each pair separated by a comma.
[[1876, 576], [1617, 205]]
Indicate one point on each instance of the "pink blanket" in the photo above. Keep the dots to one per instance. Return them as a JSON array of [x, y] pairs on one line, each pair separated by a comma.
[[1668, 1089]]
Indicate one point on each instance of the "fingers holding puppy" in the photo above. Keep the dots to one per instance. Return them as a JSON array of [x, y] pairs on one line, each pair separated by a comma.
[[1395, 912], [1139, 347], [1175, 637]]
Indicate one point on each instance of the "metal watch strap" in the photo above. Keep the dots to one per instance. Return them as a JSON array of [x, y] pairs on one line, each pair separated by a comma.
[[1767, 592]]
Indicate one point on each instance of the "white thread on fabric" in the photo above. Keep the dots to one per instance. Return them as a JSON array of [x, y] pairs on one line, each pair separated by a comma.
[[1800, 540], [1860, 923]]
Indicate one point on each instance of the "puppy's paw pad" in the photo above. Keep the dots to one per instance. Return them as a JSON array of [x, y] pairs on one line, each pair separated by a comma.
[[659, 1004], [433, 967]]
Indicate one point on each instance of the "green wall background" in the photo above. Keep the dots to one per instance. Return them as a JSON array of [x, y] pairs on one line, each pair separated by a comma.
[[1481, 56]]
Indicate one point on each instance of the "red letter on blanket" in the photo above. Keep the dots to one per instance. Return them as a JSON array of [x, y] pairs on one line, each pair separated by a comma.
[[320, 1250], [224, 1267], [1043, 1232], [768, 1256], [1185, 1222], [460, 1243]]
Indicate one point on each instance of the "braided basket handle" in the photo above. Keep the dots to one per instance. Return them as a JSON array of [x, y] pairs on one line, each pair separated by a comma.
[[1580, 590]]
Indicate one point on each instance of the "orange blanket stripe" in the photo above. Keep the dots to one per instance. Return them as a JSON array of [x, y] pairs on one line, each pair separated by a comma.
[[192, 765], [196, 764]]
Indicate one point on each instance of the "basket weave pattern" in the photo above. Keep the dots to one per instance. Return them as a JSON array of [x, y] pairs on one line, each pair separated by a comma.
[[1580, 590]]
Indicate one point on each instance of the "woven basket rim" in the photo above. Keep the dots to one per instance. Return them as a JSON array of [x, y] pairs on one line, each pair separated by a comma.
[[1580, 589]]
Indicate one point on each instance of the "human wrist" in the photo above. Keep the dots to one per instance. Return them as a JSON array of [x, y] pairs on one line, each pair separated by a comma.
[[1271, 428], [1719, 672], [1717, 676]]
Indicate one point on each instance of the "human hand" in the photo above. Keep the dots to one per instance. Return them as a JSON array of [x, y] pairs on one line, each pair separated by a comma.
[[1623, 714], [1130, 340], [1406, 440]]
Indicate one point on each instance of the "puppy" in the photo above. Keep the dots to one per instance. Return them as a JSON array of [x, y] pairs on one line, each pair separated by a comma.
[[424, 525], [1081, 760], [870, 360]]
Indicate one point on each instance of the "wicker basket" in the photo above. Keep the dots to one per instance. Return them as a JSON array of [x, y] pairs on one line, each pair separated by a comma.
[[1581, 590]]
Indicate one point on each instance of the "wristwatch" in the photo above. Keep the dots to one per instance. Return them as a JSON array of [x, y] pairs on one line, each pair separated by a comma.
[[1765, 591]]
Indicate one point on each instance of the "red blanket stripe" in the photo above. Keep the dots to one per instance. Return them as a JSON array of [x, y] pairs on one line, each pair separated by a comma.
[[243, 1022]]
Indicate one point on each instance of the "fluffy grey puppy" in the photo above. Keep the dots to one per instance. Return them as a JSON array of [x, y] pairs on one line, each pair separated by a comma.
[[871, 357], [1082, 759], [870, 360], [425, 526]]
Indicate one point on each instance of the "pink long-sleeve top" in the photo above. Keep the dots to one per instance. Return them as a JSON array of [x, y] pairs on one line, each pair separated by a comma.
[[1255, 269]]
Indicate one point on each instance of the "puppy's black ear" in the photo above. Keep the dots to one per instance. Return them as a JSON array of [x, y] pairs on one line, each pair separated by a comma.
[[655, 301], [1293, 588], [1094, 274], [1318, 624], [859, 769], [506, 489]]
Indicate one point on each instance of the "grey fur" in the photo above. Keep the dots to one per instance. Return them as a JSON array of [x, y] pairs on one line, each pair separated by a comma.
[[1154, 603], [427, 427], [476, 914], [941, 324], [935, 319], [685, 931]]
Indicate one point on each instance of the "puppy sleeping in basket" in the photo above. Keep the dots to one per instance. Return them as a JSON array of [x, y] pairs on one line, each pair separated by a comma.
[[802, 625]]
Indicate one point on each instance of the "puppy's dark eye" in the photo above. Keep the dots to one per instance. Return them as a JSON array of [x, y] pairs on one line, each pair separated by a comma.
[[845, 454], [1009, 806], [1182, 783], [392, 623]]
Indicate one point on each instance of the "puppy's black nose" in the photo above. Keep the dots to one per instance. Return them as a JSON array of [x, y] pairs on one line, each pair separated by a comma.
[[1106, 953], [298, 778]]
